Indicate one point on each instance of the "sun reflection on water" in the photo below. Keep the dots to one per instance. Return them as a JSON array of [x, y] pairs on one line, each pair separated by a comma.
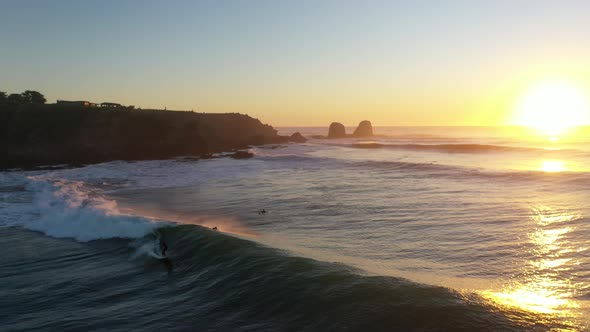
[[553, 166], [541, 296], [544, 286]]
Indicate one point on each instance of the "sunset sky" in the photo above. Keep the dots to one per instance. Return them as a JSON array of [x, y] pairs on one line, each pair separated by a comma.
[[299, 63]]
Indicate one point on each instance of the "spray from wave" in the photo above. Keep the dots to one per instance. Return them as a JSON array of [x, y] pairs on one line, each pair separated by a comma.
[[72, 209], [69, 209]]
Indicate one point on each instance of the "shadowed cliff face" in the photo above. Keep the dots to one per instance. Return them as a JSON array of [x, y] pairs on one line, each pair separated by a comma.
[[48, 134]]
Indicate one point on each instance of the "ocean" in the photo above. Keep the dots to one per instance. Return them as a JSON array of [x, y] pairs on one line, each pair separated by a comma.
[[416, 229]]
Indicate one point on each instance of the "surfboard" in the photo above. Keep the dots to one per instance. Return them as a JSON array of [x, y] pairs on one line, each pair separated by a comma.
[[157, 255]]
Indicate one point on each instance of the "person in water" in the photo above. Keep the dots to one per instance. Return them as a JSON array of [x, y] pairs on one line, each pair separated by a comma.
[[263, 211], [163, 247]]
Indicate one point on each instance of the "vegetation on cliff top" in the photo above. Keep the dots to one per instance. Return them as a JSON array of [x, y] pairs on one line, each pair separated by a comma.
[[28, 97]]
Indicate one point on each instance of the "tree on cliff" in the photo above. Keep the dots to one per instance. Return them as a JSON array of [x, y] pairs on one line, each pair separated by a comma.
[[3, 97], [15, 98], [33, 97]]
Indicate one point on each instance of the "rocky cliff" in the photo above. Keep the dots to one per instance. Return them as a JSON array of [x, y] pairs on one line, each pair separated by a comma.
[[49, 134]]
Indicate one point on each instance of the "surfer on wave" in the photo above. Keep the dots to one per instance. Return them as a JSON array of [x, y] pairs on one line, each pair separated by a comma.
[[163, 247]]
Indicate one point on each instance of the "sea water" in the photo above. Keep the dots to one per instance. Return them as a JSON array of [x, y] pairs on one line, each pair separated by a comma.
[[415, 229]]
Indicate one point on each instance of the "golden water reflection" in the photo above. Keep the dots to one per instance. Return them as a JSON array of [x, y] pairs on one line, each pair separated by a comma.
[[544, 286], [541, 296], [553, 166]]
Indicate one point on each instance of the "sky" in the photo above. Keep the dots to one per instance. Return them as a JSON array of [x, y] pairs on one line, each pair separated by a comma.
[[298, 63]]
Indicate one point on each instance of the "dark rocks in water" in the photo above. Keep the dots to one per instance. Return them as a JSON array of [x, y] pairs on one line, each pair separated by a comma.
[[336, 130], [242, 155], [207, 156], [318, 136], [364, 129], [297, 138]]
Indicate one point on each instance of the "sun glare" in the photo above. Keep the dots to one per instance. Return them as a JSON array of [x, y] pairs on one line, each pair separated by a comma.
[[553, 166], [553, 108]]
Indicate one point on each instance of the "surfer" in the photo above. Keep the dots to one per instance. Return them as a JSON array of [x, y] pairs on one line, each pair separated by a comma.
[[163, 247], [167, 262]]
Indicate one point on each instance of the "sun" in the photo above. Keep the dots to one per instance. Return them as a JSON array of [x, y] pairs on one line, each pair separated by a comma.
[[552, 107]]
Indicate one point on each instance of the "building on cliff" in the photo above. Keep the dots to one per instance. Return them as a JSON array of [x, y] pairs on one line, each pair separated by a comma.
[[111, 105], [78, 103]]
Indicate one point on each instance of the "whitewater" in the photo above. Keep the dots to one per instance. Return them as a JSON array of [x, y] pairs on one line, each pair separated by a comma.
[[416, 229]]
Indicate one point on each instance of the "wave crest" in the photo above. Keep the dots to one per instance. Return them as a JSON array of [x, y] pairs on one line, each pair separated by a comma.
[[68, 209], [447, 148]]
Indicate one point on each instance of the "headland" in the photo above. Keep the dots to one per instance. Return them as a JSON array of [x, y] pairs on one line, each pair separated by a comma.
[[33, 135]]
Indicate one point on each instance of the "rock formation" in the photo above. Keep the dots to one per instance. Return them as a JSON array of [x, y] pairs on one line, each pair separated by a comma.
[[336, 130], [297, 138], [33, 135], [364, 129]]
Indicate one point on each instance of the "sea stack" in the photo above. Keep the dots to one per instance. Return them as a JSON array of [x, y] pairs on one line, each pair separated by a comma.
[[365, 129], [336, 130]]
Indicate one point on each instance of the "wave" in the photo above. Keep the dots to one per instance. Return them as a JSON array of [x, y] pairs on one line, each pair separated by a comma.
[[229, 283], [72, 209], [222, 283], [449, 148], [249, 282], [435, 170], [69, 209]]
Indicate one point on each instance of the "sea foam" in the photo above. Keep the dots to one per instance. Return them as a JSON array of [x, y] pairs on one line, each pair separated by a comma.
[[69, 209]]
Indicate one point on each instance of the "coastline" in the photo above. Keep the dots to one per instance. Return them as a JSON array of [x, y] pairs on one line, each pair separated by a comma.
[[34, 136]]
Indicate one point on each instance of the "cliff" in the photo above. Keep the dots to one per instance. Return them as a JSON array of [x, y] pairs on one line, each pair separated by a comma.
[[33, 135]]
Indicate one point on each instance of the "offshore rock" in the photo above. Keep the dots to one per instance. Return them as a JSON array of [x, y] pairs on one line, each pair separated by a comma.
[[364, 129], [336, 130], [297, 138]]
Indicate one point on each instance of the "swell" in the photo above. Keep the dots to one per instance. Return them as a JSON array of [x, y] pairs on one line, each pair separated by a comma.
[[223, 283], [249, 282], [74, 209], [227, 283], [451, 148], [434, 170]]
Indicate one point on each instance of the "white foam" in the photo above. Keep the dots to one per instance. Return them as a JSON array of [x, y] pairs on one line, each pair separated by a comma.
[[74, 203], [144, 248], [69, 209]]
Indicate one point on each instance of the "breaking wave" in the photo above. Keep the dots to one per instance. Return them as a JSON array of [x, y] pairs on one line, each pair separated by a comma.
[[70, 209], [450, 148]]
